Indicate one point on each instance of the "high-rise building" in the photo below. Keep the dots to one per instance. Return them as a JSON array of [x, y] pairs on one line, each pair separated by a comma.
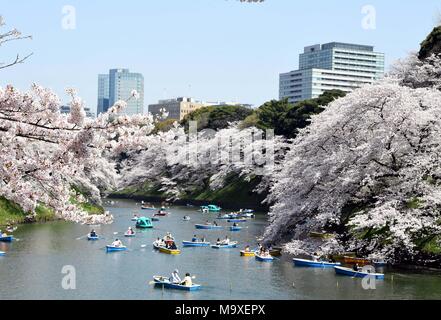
[[118, 85], [330, 66], [103, 93]]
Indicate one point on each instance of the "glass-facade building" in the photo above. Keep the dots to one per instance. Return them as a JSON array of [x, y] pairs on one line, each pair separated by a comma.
[[330, 66], [118, 85]]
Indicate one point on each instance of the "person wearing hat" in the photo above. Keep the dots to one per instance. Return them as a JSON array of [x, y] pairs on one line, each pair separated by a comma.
[[175, 277]]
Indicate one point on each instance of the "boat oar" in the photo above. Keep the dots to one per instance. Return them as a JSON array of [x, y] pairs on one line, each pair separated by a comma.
[[82, 237]]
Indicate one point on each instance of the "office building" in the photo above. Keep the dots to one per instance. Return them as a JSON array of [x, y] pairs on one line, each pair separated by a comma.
[[178, 108], [118, 85], [330, 66]]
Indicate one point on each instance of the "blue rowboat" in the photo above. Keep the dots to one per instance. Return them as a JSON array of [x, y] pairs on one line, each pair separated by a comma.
[[7, 239], [2, 253], [247, 211], [195, 244], [208, 227], [115, 249], [237, 220], [264, 259], [225, 246], [315, 264], [93, 238], [236, 228], [357, 274], [224, 217], [163, 282]]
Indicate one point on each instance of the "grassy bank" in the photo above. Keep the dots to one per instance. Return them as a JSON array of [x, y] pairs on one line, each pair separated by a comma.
[[12, 214]]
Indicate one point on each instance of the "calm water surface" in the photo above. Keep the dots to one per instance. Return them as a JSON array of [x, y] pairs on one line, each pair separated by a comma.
[[32, 267]]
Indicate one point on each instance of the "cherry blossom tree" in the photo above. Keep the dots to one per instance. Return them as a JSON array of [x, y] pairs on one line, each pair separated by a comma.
[[179, 163], [45, 153], [366, 169]]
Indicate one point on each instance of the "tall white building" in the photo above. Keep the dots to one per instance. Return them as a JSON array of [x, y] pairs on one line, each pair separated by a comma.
[[330, 66]]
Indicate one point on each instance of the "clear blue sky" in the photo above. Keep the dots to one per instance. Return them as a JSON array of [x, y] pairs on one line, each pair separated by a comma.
[[209, 49]]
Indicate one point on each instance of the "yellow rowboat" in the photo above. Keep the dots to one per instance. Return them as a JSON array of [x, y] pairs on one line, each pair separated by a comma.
[[247, 254], [169, 251]]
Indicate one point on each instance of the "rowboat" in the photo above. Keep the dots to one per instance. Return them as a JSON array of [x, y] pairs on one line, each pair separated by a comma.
[[96, 238], [357, 274], [264, 259], [208, 227], [195, 244], [144, 223], [2, 253], [186, 218], [169, 251], [247, 211], [247, 215], [165, 283], [115, 249], [161, 214], [130, 235], [237, 220], [315, 264], [148, 208], [247, 254], [7, 239], [231, 245], [155, 219], [225, 217], [359, 261], [236, 228]]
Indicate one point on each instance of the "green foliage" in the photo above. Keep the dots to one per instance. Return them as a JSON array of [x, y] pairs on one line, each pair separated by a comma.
[[10, 213], [286, 119], [431, 45], [217, 118], [163, 126]]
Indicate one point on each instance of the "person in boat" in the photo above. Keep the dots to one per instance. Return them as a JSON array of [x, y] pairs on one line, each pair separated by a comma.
[[175, 278], [356, 267], [247, 249], [172, 246], [195, 239], [188, 282], [117, 243], [215, 224], [130, 231], [93, 234], [208, 223]]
